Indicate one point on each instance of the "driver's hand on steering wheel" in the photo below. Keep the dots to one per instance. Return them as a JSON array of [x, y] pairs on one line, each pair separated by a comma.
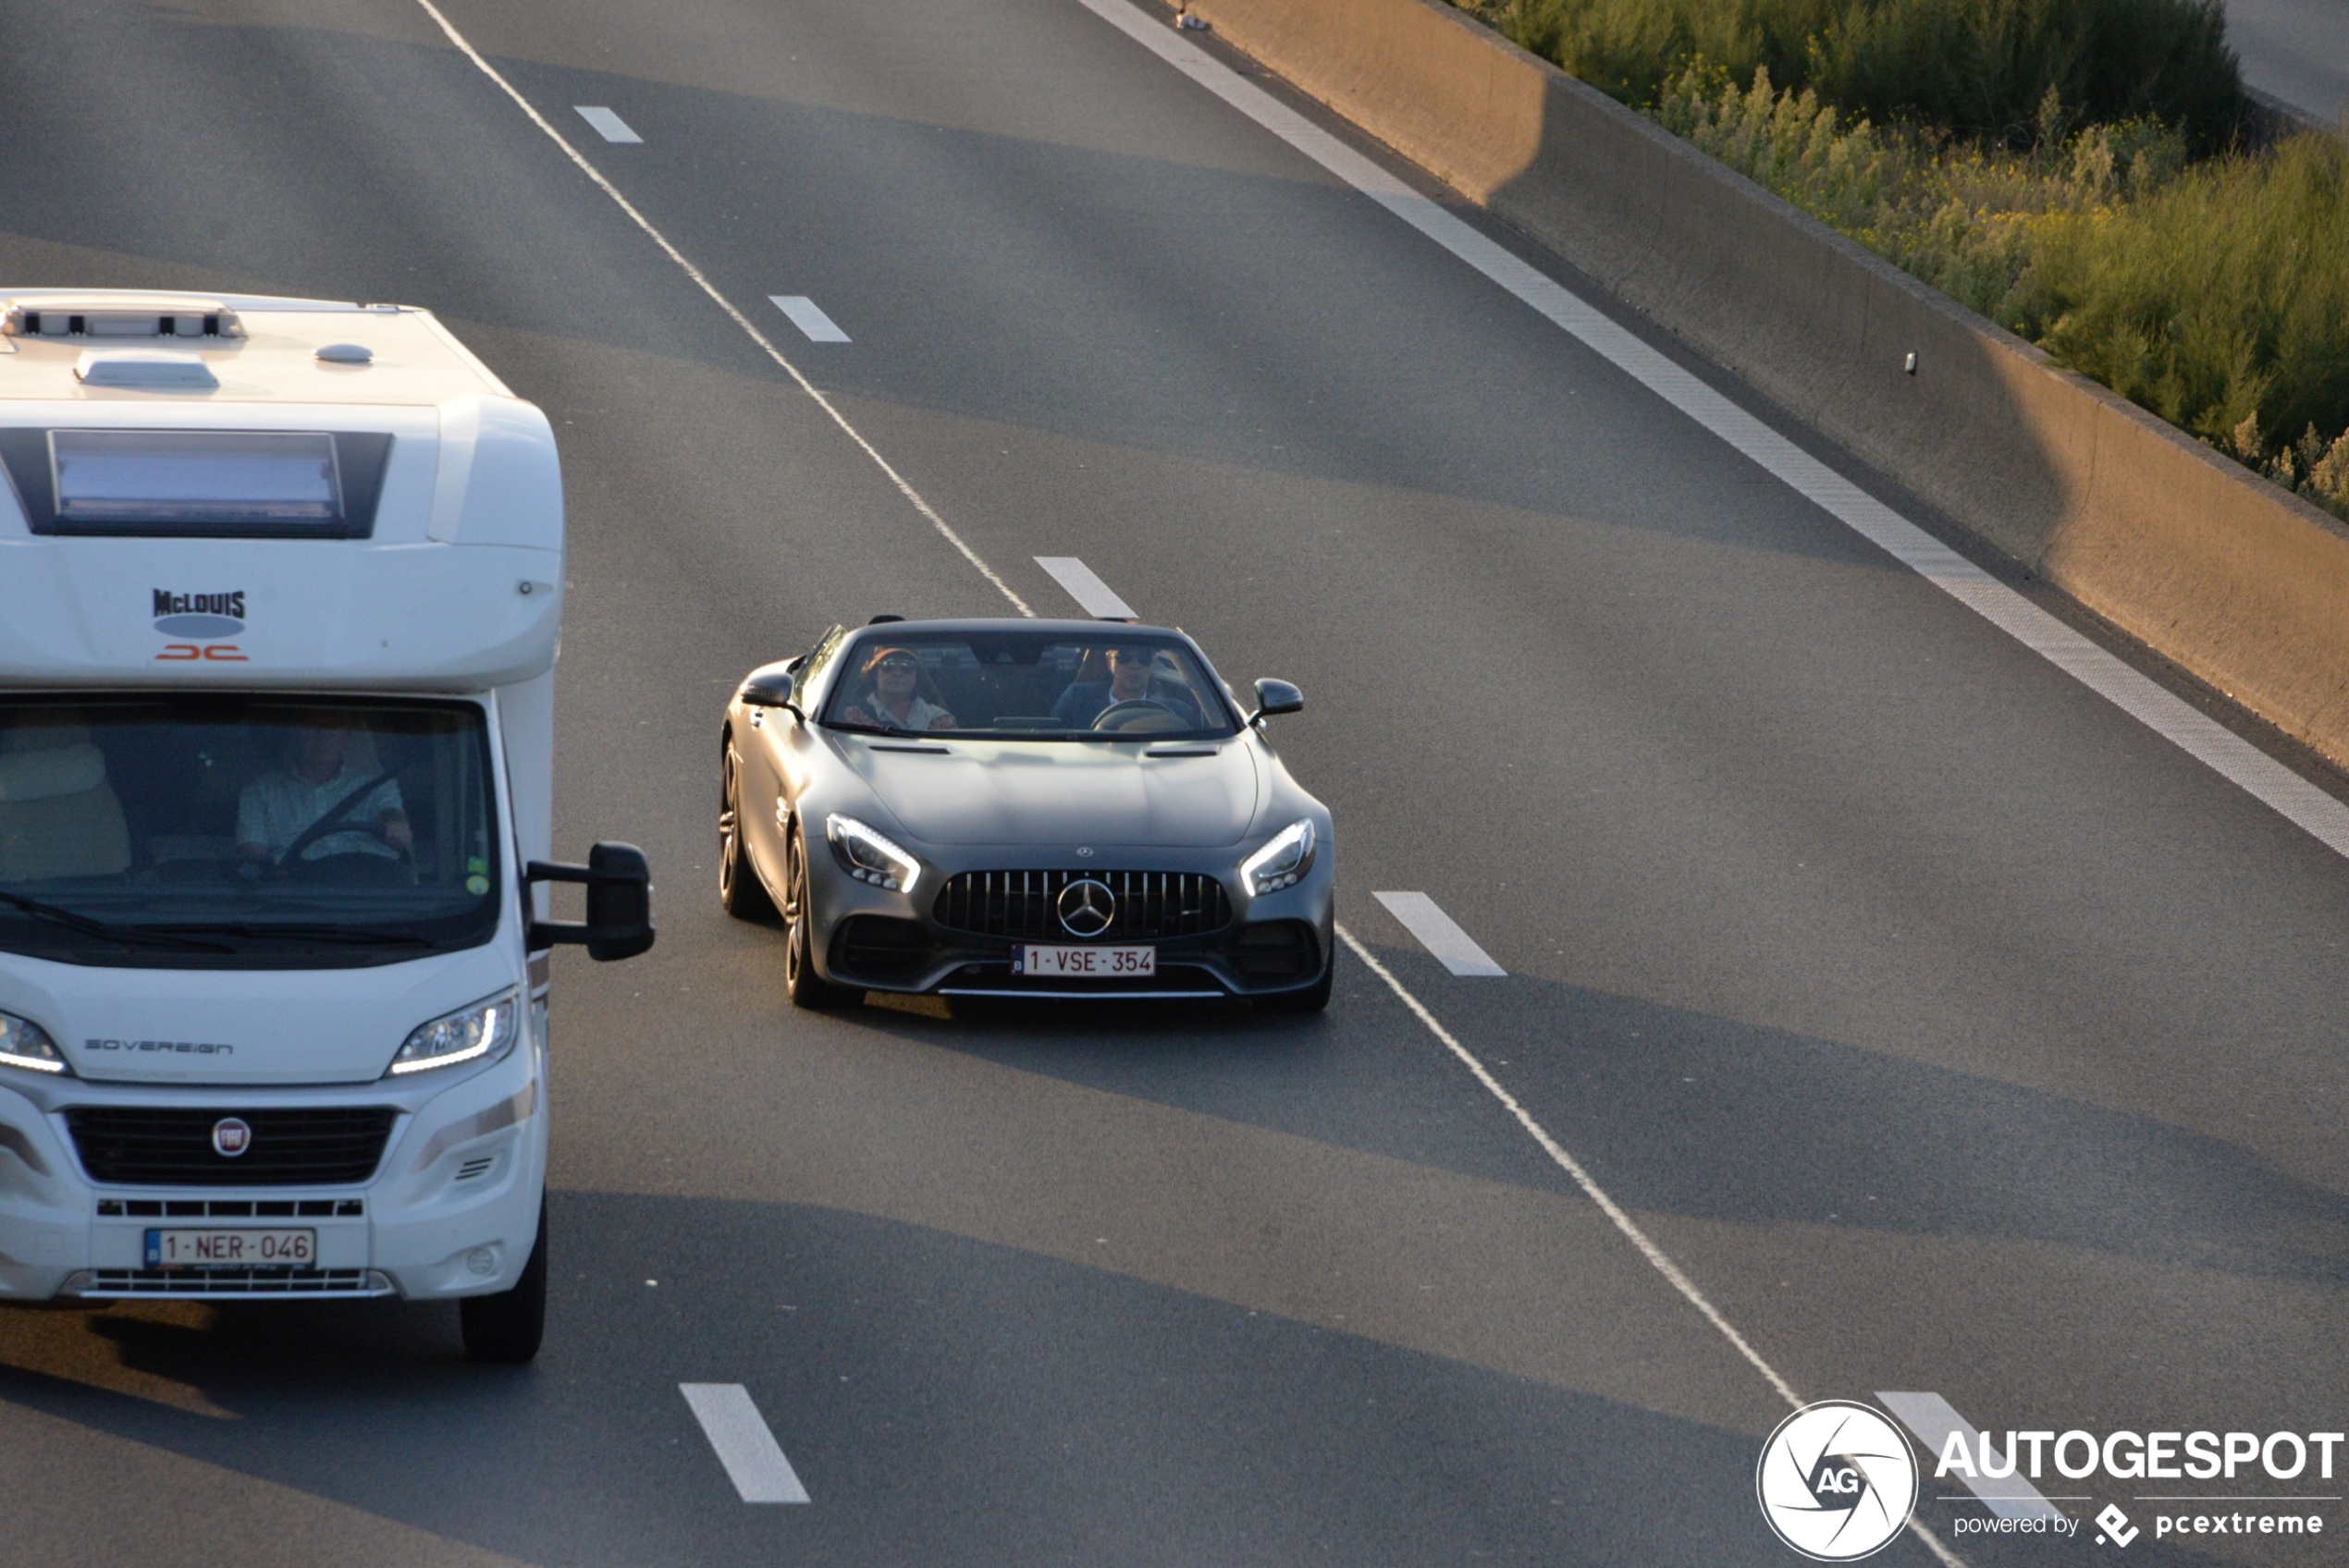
[[396, 830]]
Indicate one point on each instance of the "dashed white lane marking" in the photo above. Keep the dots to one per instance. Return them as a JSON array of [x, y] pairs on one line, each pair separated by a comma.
[[701, 281], [1932, 1418], [1439, 934], [2233, 758], [808, 318], [1657, 1257], [754, 1460], [608, 126], [1093, 596]]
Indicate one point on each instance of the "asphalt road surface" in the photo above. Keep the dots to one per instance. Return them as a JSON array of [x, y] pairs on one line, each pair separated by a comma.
[[1947, 1028], [2295, 50]]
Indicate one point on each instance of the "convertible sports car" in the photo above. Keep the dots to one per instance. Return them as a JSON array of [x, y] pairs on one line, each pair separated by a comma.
[[1023, 808]]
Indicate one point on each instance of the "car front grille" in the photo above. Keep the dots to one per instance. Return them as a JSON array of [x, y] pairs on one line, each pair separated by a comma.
[[149, 1146], [881, 949], [1152, 905], [1274, 950]]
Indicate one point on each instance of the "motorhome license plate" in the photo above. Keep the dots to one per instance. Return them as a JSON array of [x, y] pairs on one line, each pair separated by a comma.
[[232, 1249], [1084, 962]]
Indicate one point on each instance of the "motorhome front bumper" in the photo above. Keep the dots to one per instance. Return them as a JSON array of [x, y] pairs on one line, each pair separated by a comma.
[[419, 1190]]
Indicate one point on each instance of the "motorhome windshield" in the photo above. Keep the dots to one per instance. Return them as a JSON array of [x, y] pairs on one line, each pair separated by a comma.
[[248, 832]]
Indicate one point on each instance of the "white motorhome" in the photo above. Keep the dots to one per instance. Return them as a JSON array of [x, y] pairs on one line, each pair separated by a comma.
[[280, 583]]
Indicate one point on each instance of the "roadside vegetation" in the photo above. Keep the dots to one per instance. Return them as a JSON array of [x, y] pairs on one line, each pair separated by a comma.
[[2084, 172]]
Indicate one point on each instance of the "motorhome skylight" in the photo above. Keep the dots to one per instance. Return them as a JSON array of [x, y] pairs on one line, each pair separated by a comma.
[[195, 476]]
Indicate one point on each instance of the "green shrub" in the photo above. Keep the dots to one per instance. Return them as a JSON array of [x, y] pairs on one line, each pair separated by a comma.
[[2214, 294], [1975, 69], [2220, 301]]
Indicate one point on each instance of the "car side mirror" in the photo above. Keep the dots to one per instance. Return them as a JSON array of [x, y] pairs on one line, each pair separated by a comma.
[[760, 693], [619, 903], [1277, 697]]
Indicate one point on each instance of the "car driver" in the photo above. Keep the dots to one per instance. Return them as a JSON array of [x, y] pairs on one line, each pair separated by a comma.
[[1132, 678]]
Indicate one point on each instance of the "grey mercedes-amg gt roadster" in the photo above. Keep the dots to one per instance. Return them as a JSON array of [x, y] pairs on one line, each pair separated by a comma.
[[1023, 808]]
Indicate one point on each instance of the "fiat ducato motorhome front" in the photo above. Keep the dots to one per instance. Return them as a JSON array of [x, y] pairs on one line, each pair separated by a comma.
[[281, 586]]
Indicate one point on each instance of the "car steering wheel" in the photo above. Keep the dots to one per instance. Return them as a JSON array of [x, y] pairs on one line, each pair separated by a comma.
[[1140, 715]]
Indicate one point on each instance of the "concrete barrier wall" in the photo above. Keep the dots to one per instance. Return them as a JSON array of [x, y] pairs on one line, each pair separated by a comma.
[[2246, 586]]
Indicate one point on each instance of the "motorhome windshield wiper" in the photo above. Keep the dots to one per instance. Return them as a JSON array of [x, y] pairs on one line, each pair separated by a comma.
[[130, 936]]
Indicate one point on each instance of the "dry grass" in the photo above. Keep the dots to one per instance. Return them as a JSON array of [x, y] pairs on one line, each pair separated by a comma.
[[2215, 294]]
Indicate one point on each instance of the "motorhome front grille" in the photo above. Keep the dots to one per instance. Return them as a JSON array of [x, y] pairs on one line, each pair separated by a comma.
[[231, 1208], [237, 1282], [144, 1145], [1025, 905]]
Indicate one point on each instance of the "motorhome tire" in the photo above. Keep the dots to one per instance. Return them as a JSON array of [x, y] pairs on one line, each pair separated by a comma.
[[505, 1329]]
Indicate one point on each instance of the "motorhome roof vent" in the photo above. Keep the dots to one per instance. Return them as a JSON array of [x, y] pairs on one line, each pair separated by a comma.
[[118, 315], [146, 370]]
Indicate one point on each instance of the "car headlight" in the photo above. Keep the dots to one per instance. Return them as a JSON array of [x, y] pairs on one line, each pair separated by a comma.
[[869, 857], [486, 1029], [1283, 862], [25, 1044]]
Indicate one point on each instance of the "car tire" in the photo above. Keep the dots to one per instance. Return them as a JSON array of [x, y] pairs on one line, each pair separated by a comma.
[[739, 892], [1313, 998], [505, 1329], [806, 988]]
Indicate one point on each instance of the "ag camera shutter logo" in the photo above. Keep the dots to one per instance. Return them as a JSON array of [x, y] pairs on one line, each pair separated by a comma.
[[1836, 1480]]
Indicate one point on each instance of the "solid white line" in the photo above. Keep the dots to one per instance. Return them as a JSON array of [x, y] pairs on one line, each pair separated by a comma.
[[754, 1461], [608, 126], [1933, 1418], [702, 281], [1092, 596], [1439, 934], [1657, 1257], [805, 315], [2228, 755]]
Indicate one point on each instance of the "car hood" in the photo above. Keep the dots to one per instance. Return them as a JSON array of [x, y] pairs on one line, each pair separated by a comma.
[[1195, 796]]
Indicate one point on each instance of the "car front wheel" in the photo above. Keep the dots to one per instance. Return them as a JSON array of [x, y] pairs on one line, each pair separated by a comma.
[[739, 892], [806, 988]]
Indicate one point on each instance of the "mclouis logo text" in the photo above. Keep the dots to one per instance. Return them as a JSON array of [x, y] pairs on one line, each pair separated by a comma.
[[198, 614]]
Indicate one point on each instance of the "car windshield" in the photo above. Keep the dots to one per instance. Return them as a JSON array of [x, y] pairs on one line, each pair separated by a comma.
[[1028, 685], [244, 831]]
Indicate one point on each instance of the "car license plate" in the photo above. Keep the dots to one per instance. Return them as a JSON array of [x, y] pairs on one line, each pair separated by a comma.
[[1084, 962], [232, 1249]]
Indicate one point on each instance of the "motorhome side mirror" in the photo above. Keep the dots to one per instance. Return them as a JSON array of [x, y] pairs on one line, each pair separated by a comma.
[[1277, 697], [619, 903]]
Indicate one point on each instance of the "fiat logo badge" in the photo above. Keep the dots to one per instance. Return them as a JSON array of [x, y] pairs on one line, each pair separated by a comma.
[[230, 1137], [1087, 907]]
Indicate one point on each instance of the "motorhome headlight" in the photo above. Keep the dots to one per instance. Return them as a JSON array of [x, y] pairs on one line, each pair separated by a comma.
[[486, 1029], [1283, 862], [869, 857], [25, 1044]]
